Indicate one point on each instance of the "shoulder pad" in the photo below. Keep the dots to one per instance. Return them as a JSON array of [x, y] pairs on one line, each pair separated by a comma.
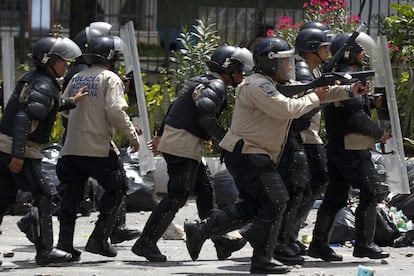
[[218, 86], [39, 101]]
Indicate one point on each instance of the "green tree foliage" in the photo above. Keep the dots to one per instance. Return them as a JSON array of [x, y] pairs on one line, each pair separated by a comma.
[[400, 34]]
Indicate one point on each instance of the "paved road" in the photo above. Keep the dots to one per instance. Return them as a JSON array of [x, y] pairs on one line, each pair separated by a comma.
[[400, 263]]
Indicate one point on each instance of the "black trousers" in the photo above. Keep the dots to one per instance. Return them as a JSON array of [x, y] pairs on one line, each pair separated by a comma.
[[74, 172]]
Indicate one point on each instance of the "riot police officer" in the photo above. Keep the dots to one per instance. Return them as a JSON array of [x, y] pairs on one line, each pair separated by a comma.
[[88, 151], [252, 147], [25, 126], [351, 133], [303, 162], [191, 119], [120, 232]]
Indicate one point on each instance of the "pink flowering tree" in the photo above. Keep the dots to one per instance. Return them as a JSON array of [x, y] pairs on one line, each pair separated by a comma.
[[334, 14], [286, 28]]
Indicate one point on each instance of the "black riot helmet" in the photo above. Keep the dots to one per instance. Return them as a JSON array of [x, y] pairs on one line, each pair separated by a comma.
[[104, 50], [314, 25], [309, 40], [229, 59], [350, 54], [95, 29], [48, 50], [273, 56]]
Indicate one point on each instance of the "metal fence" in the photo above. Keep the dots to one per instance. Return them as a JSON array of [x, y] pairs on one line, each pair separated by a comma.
[[159, 22]]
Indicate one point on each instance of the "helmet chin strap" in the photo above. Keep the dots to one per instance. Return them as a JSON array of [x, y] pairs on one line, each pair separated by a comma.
[[322, 60]]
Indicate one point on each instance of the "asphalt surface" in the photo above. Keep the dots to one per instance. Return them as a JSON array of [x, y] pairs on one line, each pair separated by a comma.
[[18, 255]]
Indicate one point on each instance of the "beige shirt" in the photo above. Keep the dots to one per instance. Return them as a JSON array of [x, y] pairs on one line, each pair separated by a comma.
[[32, 149], [92, 123], [181, 143], [262, 116]]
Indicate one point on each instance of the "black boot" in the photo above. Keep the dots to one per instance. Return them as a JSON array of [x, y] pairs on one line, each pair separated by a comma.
[[158, 222], [319, 247], [220, 222], [226, 246], [286, 255], [121, 232], [98, 240], [29, 223], [65, 242], [263, 243], [365, 219], [283, 252], [45, 253], [300, 248]]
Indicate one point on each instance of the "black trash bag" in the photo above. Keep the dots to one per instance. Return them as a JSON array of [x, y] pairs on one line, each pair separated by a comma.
[[141, 193], [140, 196], [344, 227], [386, 232]]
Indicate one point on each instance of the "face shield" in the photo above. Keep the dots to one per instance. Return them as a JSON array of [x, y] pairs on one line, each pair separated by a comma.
[[97, 29], [66, 49], [245, 57], [119, 45], [285, 63], [366, 42]]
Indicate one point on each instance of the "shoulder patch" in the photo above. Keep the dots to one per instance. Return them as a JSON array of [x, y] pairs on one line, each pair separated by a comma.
[[268, 88]]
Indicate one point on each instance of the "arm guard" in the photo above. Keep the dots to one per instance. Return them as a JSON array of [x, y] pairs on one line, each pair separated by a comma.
[[209, 101], [21, 131], [364, 124], [360, 120], [36, 104]]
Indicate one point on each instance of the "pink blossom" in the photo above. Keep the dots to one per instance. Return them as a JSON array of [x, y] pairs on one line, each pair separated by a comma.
[[270, 33], [354, 18], [396, 48]]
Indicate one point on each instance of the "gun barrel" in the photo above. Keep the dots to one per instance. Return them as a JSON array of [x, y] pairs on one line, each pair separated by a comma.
[[326, 79]]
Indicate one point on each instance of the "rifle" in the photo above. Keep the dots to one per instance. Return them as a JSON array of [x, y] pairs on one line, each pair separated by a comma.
[[331, 64], [326, 79]]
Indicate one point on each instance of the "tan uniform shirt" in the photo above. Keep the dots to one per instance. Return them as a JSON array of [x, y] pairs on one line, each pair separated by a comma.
[[92, 123], [262, 116], [181, 143], [32, 149]]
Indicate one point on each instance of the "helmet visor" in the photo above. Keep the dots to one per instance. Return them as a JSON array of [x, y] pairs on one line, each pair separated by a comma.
[[97, 29], [245, 57], [119, 44], [286, 63], [66, 49]]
